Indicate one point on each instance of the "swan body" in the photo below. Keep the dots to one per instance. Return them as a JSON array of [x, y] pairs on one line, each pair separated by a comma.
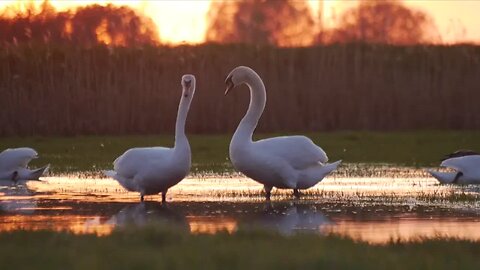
[[467, 170], [151, 170], [292, 162], [14, 165]]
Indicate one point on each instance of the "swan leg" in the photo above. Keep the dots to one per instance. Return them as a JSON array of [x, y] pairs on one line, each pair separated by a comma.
[[164, 196], [14, 176], [459, 174], [268, 192], [296, 193]]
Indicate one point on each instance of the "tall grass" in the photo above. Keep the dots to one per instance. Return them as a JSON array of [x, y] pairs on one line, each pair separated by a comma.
[[64, 90]]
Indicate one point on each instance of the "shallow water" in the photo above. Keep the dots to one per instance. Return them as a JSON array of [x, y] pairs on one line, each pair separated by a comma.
[[388, 203]]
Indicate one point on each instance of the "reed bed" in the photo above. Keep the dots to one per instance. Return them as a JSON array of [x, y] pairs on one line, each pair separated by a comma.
[[65, 90]]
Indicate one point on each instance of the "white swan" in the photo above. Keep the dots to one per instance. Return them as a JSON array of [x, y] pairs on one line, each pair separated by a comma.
[[14, 162], [466, 165], [292, 162], [152, 170]]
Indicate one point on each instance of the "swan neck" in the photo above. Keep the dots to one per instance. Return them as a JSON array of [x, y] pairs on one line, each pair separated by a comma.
[[180, 137], [255, 108]]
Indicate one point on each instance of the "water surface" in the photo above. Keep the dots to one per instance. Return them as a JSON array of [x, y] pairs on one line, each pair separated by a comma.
[[384, 204]]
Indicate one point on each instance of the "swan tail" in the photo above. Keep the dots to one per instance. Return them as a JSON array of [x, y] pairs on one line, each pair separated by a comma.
[[127, 183], [111, 174], [37, 173], [443, 177], [26, 174], [314, 175]]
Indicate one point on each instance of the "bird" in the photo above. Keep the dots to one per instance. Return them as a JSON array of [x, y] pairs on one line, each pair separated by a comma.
[[466, 164], [14, 165], [153, 170], [287, 162]]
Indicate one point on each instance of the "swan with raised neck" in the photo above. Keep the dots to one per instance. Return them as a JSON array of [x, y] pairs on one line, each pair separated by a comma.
[[153, 170]]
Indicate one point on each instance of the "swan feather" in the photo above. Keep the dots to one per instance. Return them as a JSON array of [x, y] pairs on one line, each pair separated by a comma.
[[299, 151], [16, 158], [468, 165]]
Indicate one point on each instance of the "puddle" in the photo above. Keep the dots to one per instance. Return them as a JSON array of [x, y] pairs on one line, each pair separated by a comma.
[[405, 204]]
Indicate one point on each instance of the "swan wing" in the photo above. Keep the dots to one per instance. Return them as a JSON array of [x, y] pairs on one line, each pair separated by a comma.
[[299, 151], [17, 157], [468, 165], [460, 153], [136, 160]]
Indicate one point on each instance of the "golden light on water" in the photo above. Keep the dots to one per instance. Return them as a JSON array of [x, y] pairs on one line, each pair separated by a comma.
[[185, 21], [63, 223], [213, 204], [378, 232], [211, 225]]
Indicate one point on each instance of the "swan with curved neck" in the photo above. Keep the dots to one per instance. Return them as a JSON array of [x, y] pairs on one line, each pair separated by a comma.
[[292, 162], [153, 170]]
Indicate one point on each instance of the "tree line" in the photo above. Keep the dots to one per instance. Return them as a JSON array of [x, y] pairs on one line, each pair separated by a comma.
[[284, 23]]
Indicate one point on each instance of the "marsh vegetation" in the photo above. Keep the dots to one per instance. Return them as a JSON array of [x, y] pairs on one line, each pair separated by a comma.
[[94, 153], [65, 90], [157, 248]]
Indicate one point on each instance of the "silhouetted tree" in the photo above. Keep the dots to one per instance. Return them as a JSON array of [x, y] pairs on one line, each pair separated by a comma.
[[387, 21], [275, 22], [86, 26], [112, 25]]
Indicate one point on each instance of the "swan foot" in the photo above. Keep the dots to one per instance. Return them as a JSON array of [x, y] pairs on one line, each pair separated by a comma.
[[268, 192], [164, 196], [296, 193]]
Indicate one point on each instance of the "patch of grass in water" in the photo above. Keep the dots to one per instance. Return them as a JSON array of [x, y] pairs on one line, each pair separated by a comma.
[[210, 152], [160, 248], [450, 196]]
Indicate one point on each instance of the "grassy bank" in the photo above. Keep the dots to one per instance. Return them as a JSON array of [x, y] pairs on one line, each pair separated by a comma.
[[210, 152], [64, 90], [163, 249]]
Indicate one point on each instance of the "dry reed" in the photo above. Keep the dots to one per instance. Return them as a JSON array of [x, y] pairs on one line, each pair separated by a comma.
[[64, 90]]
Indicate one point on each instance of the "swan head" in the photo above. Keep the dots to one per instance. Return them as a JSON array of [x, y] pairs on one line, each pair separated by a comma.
[[188, 85], [238, 76]]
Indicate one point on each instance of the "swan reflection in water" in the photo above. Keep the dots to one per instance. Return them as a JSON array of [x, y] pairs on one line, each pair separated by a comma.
[[289, 219], [147, 213], [16, 198]]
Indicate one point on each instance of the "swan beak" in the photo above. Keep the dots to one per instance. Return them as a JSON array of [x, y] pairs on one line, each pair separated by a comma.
[[229, 84]]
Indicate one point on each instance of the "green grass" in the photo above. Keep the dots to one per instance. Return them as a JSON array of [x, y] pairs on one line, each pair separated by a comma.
[[210, 152], [154, 248]]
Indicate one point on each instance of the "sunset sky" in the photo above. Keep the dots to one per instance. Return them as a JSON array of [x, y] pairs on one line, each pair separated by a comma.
[[184, 21]]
